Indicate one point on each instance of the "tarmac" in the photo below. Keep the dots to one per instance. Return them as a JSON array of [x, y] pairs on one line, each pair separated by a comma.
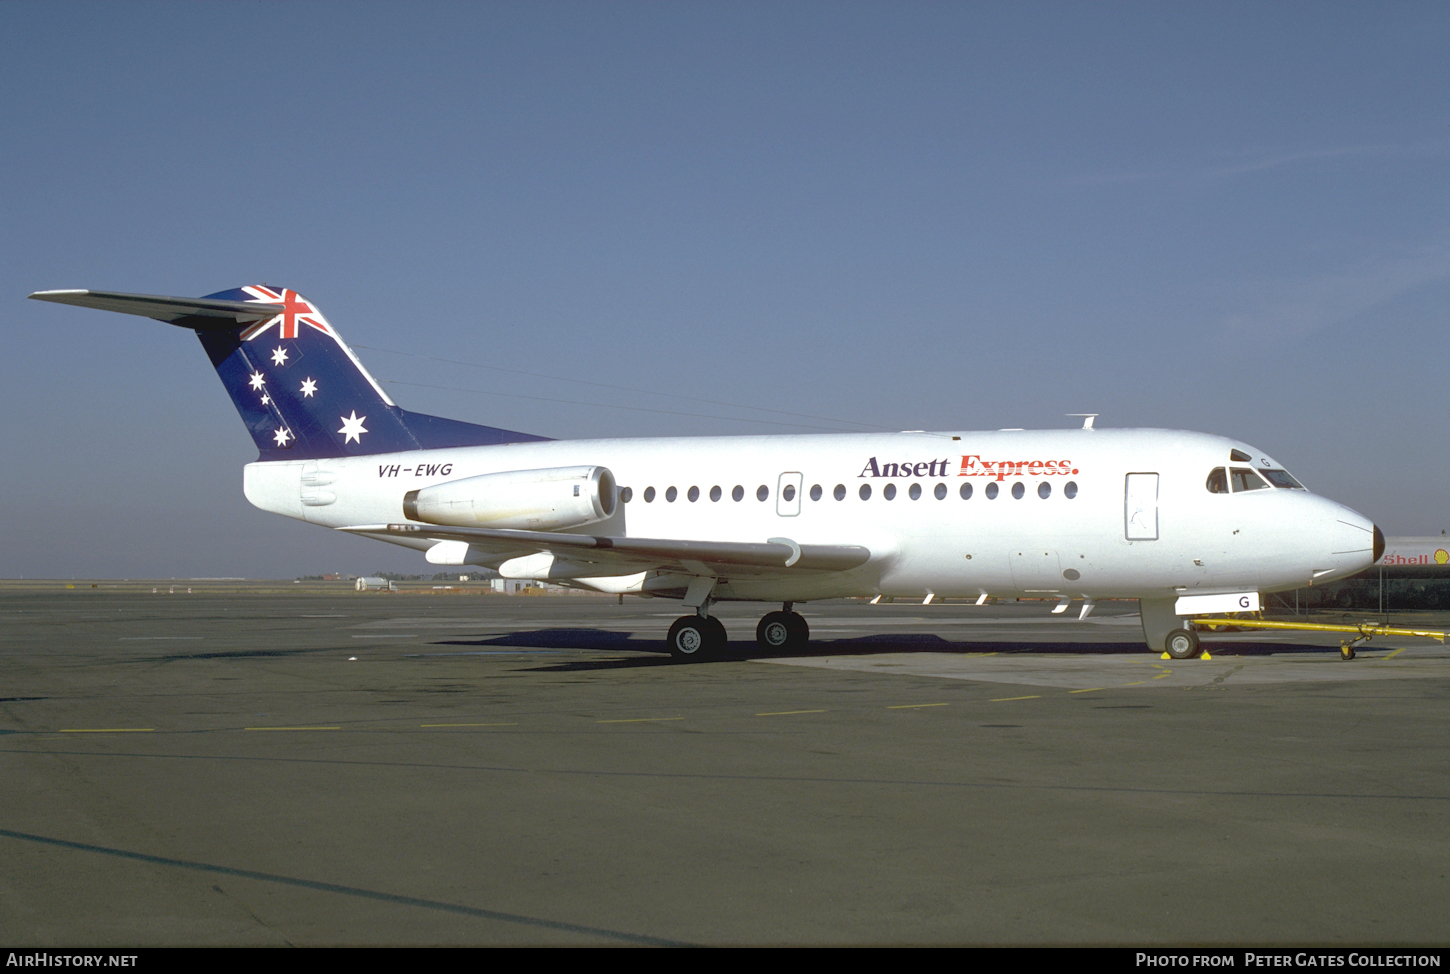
[[259, 763]]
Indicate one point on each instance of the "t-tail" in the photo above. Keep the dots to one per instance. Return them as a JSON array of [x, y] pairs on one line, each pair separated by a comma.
[[300, 390]]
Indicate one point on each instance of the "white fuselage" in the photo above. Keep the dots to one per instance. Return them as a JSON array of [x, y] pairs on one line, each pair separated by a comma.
[[1078, 529]]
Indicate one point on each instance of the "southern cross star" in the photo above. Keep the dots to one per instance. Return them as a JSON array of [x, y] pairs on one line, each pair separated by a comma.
[[352, 428], [309, 386], [282, 435], [257, 380], [279, 356]]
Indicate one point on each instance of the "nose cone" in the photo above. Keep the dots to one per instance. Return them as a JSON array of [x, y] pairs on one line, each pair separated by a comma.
[[1355, 543]]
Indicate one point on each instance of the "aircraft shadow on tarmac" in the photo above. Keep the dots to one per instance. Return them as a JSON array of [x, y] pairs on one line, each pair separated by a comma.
[[614, 641], [238, 654]]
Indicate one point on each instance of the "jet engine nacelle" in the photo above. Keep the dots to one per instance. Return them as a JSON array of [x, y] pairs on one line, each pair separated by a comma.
[[535, 500]]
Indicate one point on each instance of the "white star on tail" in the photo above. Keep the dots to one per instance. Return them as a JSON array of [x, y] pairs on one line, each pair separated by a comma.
[[257, 380], [266, 400], [279, 356], [309, 386], [282, 435], [352, 428]]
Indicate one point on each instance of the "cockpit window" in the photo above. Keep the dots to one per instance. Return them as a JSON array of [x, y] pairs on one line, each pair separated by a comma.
[[1217, 481], [1244, 479], [1281, 478], [1239, 456]]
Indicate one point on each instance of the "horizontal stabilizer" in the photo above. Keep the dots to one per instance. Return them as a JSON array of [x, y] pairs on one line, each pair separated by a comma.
[[168, 309], [692, 557]]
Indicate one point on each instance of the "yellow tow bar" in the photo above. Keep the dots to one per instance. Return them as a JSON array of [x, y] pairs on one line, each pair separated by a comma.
[[1363, 631]]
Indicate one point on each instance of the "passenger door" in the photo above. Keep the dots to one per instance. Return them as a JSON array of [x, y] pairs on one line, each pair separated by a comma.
[[1140, 507]]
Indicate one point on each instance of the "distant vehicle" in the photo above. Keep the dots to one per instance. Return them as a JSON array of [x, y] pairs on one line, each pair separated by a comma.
[[1185, 522]]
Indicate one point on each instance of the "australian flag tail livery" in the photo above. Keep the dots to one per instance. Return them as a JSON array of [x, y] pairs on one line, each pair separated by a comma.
[[300, 390]]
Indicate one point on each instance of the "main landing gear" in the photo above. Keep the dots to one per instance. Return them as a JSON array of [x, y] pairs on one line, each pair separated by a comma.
[[697, 637], [702, 637], [783, 631]]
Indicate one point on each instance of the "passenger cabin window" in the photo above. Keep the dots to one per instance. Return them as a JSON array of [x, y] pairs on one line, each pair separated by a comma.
[[1242, 479], [1217, 481], [715, 493], [1281, 478], [738, 494]]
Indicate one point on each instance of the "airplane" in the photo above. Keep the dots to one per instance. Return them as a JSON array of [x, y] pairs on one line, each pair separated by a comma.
[[1187, 523]]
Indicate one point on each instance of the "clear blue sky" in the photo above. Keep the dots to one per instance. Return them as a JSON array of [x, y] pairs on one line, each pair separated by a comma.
[[1222, 217]]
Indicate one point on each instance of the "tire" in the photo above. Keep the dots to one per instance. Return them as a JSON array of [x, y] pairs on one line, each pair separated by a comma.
[[692, 638], [780, 632], [1346, 652], [719, 639], [1181, 644], [773, 632]]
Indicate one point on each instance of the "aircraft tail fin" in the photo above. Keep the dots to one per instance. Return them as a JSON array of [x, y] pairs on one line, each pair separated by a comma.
[[301, 392]]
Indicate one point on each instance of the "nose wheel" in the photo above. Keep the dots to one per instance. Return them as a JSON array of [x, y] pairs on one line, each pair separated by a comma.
[[782, 632], [1181, 644], [696, 637]]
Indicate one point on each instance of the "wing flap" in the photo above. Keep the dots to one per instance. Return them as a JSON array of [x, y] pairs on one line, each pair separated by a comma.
[[618, 555]]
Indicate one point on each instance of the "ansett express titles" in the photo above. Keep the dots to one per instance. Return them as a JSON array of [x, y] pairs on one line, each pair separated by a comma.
[[973, 465]]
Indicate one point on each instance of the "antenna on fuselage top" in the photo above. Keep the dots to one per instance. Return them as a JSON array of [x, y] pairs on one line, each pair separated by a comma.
[[1087, 421]]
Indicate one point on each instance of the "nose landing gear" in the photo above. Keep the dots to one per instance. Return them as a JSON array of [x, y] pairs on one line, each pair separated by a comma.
[[1181, 644]]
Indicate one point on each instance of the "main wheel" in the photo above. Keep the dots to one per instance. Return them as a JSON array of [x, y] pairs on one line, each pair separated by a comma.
[[694, 638], [779, 631], [773, 631], [1181, 644]]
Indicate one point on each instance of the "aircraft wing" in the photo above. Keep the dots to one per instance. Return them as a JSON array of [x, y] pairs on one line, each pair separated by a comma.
[[164, 308], [620, 556]]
